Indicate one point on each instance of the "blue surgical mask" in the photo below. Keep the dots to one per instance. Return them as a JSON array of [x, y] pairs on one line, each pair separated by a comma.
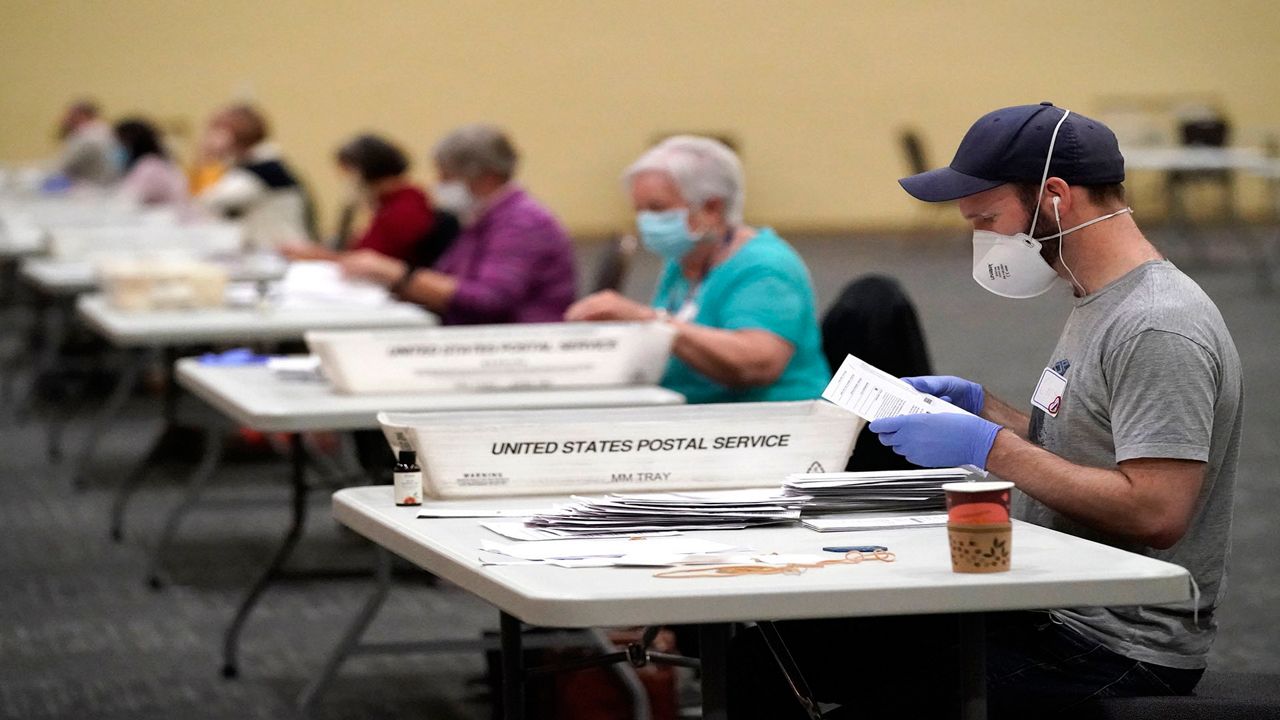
[[120, 157], [666, 233]]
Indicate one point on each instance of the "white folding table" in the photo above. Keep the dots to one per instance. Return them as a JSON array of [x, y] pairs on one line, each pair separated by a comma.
[[1177, 162], [1050, 570], [254, 397], [58, 282], [139, 334]]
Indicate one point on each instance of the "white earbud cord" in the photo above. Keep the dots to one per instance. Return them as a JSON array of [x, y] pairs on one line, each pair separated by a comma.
[[1044, 177]]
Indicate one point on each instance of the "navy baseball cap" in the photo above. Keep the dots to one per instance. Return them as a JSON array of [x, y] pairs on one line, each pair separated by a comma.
[[1010, 145]]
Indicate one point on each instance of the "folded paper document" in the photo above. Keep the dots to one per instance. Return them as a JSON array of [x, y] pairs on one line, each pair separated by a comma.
[[871, 394]]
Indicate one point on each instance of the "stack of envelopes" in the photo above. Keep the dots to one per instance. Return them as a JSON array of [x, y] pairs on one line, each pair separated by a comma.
[[638, 513], [871, 491]]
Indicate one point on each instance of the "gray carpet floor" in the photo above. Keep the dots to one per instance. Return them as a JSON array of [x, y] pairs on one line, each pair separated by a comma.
[[81, 635]]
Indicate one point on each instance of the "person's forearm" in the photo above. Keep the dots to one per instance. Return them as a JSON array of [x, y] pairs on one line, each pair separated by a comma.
[[729, 357], [431, 289], [1106, 500], [1004, 414]]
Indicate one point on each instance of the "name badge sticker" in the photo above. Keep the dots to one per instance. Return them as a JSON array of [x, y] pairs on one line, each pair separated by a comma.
[[1049, 392]]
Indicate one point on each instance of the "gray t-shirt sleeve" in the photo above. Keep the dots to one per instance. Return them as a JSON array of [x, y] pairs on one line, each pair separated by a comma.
[[1163, 390]]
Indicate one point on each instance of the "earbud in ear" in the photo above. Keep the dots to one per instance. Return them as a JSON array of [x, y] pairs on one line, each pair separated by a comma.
[[1055, 200]]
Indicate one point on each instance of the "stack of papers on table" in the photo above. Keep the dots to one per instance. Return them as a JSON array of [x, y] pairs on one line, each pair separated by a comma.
[[318, 283], [874, 491], [303, 368], [713, 510]]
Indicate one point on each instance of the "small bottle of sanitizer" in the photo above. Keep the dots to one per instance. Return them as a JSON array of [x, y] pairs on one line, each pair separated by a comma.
[[408, 479]]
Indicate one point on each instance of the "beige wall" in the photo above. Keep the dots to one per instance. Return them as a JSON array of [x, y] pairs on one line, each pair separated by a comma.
[[814, 91]]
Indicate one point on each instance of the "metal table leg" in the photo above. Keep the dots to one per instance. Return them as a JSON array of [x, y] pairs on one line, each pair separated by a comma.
[[169, 411], [46, 338], [973, 666], [196, 483], [312, 693], [125, 385], [713, 642], [512, 668], [231, 640]]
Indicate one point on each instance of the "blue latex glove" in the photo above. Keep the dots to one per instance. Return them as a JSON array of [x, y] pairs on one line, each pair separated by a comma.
[[957, 391], [233, 357], [939, 440]]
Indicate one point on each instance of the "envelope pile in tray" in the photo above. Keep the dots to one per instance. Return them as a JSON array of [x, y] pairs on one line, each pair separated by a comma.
[[874, 491], [638, 513]]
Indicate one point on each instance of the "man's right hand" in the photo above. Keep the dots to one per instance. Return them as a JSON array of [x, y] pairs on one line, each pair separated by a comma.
[[957, 391]]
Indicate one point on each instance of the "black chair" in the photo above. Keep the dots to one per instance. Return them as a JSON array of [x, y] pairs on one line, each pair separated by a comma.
[[346, 221], [1238, 696], [875, 320], [615, 264], [917, 162], [913, 149], [1212, 132]]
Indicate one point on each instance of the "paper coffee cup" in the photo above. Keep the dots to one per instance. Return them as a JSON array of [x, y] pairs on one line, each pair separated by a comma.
[[978, 526]]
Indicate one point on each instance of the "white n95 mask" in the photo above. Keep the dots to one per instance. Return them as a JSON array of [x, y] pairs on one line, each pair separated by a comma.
[[1010, 265]]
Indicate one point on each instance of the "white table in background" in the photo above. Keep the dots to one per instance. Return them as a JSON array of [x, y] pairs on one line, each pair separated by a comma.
[[140, 334], [1050, 570], [254, 397], [55, 277], [1176, 162]]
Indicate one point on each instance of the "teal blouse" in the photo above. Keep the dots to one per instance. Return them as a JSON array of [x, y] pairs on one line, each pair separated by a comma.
[[763, 286]]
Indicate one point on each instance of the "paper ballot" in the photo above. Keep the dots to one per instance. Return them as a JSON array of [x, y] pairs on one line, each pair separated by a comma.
[[871, 393]]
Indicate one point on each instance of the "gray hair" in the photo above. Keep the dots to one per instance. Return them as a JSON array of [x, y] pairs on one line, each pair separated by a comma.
[[476, 150], [701, 167]]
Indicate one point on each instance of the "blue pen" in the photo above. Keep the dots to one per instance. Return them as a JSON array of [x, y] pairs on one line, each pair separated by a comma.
[[855, 548]]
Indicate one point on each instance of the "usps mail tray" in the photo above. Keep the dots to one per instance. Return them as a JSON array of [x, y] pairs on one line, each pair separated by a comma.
[[493, 357], [683, 447]]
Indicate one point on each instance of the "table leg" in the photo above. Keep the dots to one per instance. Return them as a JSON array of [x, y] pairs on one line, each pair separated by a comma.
[[196, 483], [169, 412], [315, 689], [125, 385], [48, 335], [973, 666], [713, 645], [231, 640], [512, 668]]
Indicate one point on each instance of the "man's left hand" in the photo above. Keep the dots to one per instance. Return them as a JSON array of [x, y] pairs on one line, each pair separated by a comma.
[[939, 440]]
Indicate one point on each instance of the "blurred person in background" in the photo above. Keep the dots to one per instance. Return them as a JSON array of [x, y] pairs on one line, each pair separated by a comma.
[[151, 178], [209, 164], [740, 297], [90, 155], [259, 189], [375, 173], [512, 261]]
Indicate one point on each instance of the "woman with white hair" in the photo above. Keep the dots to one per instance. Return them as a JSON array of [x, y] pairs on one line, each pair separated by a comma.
[[511, 263], [739, 297]]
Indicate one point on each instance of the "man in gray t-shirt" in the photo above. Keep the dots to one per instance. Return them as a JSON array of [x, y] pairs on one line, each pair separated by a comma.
[[1151, 373], [1134, 429]]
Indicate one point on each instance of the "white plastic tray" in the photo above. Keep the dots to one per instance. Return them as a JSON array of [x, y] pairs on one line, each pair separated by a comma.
[[590, 451], [496, 357]]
